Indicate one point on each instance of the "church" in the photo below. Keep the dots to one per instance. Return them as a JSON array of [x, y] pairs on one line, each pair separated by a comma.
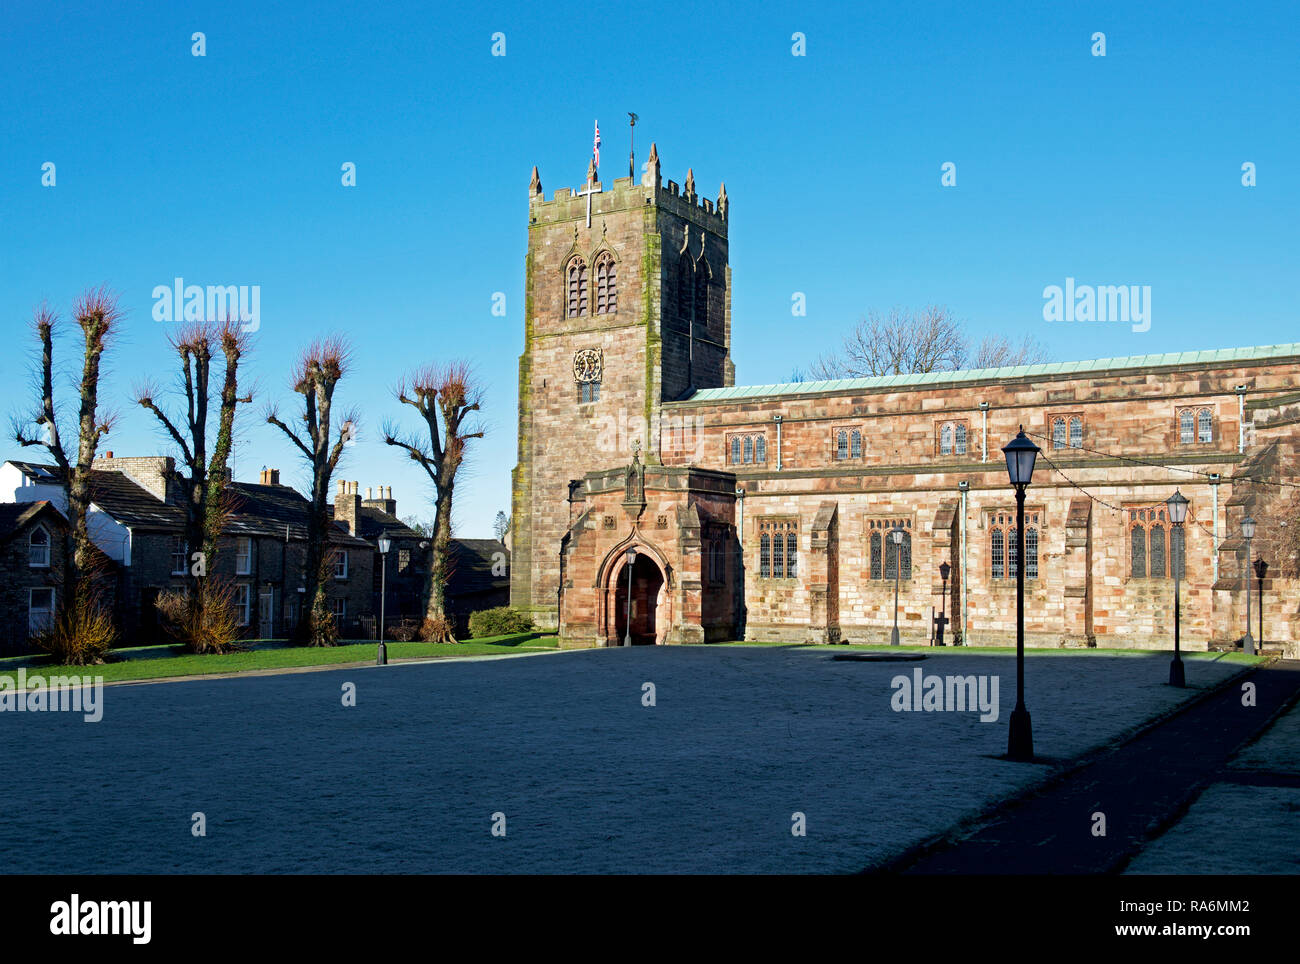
[[657, 502]]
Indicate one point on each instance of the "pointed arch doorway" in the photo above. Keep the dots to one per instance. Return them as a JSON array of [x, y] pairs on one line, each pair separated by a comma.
[[648, 608]]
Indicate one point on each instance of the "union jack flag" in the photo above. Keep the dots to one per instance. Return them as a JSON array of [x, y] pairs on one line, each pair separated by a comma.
[[595, 147]]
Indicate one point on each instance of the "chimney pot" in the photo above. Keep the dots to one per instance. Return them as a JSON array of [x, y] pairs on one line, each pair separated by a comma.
[[109, 454], [367, 493]]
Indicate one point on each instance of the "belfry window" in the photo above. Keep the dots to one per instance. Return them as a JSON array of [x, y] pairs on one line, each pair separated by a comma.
[[606, 285], [577, 281]]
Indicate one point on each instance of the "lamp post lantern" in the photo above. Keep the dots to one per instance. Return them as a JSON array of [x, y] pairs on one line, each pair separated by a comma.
[[1247, 533], [629, 558], [1020, 453], [385, 544], [1177, 505], [896, 536], [1261, 567]]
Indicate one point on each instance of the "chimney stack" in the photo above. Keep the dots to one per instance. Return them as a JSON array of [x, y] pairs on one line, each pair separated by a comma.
[[347, 506], [270, 476], [384, 501]]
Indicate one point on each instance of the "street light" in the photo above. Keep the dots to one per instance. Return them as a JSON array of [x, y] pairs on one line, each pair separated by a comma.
[[1261, 567], [385, 544], [896, 536], [629, 557], [1177, 504], [1248, 533], [1020, 454]]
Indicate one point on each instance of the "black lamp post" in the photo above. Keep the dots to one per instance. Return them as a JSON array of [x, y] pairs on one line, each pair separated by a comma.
[[384, 545], [1261, 567], [1021, 454], [629, 557], [1177, 504], [942, 621], [1247, 533], [896, 536]]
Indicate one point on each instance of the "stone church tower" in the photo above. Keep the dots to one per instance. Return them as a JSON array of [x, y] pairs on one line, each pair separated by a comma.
[[627, 305]]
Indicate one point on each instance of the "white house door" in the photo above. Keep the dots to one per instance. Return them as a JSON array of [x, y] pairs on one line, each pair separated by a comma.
[[40, 610]]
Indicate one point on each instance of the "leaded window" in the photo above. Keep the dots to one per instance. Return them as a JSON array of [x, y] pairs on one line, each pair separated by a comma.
[[855, 444], [1058, 433], [1204, 426]]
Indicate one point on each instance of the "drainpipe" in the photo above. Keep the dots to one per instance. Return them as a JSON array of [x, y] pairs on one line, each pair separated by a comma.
[[740, 566], [777, 419], [1241, 418], [1214, 531], [963, 487], [984, 445]]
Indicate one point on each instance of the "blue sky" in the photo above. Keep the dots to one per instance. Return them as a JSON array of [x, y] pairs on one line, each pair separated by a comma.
[[225, 169]]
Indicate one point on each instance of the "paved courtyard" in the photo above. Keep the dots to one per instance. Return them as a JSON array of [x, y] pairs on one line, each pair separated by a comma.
[[589, 780]]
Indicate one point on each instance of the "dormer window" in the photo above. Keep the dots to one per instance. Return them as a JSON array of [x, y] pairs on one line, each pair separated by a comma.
[[38, 553]]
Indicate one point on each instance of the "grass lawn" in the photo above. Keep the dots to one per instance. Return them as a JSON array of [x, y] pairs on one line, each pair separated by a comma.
[[157, 662]]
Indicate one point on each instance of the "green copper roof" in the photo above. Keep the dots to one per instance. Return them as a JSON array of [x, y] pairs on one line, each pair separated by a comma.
[[1181, 359]]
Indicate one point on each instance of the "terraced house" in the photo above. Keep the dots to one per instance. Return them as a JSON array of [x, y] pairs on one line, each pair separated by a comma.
[[656, 500]]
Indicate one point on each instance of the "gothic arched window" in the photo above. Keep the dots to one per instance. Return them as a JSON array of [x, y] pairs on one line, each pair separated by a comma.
[[945, 439], [996, 544], [685, 288], [1186, 429], [959, 442], [606, 285], [791, 554], [765, 556], [855, 444], [1204, 426], [749, 449], [760, 449], [1058, 433], [842, 444], [1076, 432], [576, 274], [875, 554], [735, 450], [702, 292]]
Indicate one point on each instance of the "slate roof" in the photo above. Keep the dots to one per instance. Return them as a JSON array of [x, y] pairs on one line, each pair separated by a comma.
[[372, 523], [1182, 359], [257, 510], [472, 561], [15, 516]]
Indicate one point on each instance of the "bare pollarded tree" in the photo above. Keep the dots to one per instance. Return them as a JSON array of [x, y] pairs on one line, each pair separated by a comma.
[[320, 368], [83, 627], [204, 489], [910, 342], [447, 398]]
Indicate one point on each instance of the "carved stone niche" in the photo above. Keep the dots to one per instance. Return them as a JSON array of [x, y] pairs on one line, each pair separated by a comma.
[[634, 488]]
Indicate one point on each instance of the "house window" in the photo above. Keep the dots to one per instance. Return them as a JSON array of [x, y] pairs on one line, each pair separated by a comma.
[[778, 549], [577, 279], [178, 556], [588, 392], [403, 560], [885, 555], [606, 285], [1155, 544], [38, 548], [340, 613], [1004, 562], [243, 556], [340, 563], [242, 600], [40, 609], [747, 449]]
